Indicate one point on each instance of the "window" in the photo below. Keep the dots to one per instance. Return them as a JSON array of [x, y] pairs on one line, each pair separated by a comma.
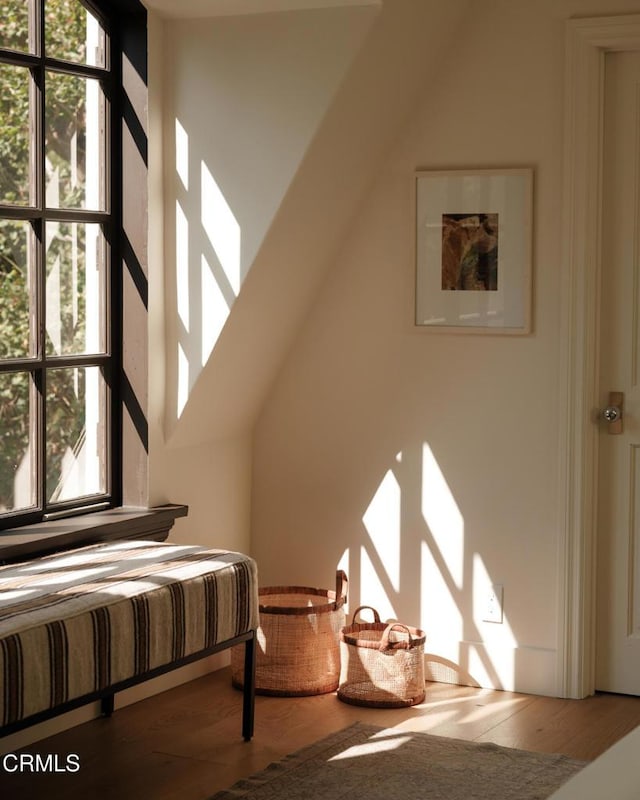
[[59, 279]]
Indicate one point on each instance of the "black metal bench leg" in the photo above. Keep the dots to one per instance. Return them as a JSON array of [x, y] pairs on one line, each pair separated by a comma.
[[249, 688], [106, 705]]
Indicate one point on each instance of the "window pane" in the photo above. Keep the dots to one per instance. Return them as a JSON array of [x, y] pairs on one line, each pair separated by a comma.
[[16, 339], [76, 433], [15, 135], [14, 31], [74, 142], [17, 489], [72, 33], [75, 288]]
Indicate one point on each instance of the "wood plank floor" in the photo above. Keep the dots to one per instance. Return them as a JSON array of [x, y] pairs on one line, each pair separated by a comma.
[[185, 744]]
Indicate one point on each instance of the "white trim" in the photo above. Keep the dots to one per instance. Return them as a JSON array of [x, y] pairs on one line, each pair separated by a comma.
[[588, 41], [491, 665]]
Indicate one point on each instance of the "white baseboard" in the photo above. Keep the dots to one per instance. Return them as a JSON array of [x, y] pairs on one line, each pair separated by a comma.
[[530, 670]]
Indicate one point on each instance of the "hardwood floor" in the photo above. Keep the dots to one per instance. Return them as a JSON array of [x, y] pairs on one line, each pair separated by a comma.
[[185, 744]]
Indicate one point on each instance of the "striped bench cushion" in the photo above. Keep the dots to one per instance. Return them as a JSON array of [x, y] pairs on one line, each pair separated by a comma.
[[81, 621]]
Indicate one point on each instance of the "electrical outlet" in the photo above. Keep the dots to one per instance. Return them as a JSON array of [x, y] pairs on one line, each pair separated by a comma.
[[493, 604]]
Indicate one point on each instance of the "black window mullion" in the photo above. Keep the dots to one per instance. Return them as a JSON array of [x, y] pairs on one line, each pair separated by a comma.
[[38, 372], [114, 375], [39, 377], [90, 360], [18, 59], [75, 215], [39, 228], [72, 68], [18, 212]]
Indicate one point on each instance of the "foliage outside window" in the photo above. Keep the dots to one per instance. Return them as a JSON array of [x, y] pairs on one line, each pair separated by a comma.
[[57, 355]]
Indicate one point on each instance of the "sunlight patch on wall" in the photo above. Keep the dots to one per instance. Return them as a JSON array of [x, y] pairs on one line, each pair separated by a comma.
[[344, 564], [182, 300], [182, 155], [440, 615], [491, 631], [214, 310], [382, 521], [183, 379], [182, 266], [502, 661], [499, 645], [372, 590], [221, 227], [442, 515]]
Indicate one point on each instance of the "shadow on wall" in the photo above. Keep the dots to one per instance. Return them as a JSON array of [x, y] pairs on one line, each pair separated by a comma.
[[246, 98], [452, 585], [133, 252]]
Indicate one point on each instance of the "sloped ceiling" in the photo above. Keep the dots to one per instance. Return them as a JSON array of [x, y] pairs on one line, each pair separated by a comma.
[[186, 9], [400, 56]]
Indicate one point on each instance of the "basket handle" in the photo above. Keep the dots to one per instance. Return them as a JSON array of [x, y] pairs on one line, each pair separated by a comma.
[[403, 644], [342, 585], [376, 616]]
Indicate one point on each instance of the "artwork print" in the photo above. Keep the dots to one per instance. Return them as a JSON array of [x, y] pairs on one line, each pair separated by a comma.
[[470, 252], [473, 237]]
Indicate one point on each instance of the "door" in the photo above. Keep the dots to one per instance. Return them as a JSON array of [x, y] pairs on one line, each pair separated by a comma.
[[618, 542]]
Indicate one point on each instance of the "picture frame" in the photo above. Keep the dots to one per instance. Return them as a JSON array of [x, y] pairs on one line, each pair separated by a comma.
[[473, 244]]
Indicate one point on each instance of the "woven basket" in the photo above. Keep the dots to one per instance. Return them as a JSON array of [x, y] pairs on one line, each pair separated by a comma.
[[298, 646], [382, 665]]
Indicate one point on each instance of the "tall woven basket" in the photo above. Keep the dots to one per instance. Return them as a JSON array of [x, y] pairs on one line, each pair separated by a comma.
[[298, 641], [382, 665]]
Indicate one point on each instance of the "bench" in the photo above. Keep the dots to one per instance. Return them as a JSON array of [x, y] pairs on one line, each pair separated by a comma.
[[81, 625]]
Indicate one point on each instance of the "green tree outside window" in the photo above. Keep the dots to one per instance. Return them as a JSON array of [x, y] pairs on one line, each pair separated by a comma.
[[64, 123]]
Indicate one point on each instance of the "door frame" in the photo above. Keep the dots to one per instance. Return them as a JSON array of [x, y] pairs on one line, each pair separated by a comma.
[[587, 43]]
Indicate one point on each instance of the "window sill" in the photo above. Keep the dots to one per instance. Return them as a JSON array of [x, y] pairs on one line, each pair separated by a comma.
[[21, 544]]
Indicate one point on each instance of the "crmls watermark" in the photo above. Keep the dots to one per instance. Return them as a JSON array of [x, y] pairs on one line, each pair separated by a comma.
[[28, 762]]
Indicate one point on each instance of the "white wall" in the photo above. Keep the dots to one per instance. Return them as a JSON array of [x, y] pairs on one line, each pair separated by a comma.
[[289, 114], [425, 463], [429, 462], [244, 98], [235, 103], [204, 477]]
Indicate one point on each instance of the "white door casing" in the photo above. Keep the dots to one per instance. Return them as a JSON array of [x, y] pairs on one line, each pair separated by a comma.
[[587, 42]]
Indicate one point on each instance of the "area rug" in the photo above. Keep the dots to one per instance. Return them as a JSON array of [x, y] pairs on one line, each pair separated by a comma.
[[365, 762]]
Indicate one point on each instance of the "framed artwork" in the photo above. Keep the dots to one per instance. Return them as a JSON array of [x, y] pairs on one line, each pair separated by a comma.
[[473, 250]]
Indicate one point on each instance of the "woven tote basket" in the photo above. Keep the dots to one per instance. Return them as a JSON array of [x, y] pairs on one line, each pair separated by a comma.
[[382, 665], [298, 641]]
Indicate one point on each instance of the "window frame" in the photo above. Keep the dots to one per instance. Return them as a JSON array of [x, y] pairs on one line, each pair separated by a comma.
[[39, 363], [130, 516]]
